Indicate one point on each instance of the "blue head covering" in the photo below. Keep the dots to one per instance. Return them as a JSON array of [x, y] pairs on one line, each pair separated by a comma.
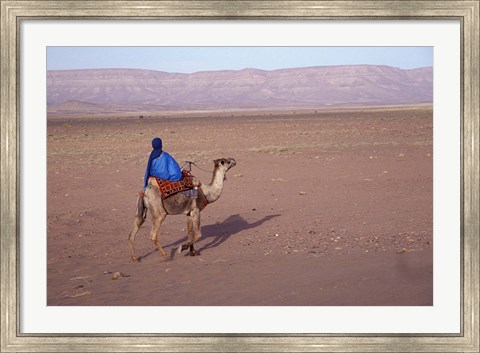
[[157, 151]]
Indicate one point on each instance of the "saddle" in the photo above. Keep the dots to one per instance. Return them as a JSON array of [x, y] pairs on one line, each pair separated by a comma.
[[168, 188]]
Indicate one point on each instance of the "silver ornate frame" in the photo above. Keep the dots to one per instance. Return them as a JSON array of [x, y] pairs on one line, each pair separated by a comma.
[[13, 12]]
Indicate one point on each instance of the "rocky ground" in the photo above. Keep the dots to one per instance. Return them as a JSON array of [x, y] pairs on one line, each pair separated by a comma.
[[323, 208]]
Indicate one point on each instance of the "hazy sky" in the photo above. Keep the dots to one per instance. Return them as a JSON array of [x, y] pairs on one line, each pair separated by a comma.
[[192, 59]]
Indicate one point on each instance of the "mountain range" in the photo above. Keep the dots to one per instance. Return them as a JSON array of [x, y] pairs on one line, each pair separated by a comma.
[[308, 87]]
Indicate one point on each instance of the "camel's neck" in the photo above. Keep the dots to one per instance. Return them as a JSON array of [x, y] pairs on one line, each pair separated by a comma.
[[213, 190]]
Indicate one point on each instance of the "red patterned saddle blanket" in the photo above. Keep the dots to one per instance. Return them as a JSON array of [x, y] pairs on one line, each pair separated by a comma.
[[168, 188]]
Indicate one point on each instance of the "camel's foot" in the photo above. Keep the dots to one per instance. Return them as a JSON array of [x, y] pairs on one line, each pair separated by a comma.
[[166, 259], [134, 258], [182, 248], [194, 253]]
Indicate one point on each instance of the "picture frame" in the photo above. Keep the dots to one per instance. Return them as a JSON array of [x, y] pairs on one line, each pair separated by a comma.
[[13, 12]]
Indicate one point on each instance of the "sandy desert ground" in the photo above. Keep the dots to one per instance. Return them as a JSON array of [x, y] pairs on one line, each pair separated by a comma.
[[323, 208]]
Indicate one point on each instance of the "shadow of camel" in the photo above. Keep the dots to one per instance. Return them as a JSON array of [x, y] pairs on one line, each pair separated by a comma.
[[218, 233]]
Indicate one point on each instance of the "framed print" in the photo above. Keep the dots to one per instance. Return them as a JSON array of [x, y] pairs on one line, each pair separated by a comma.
[[341, 140]]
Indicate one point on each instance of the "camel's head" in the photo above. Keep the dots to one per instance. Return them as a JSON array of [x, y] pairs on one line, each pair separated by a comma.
[[224, 164]]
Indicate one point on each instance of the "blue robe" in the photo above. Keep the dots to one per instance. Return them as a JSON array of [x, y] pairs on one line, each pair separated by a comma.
[[164, 167]]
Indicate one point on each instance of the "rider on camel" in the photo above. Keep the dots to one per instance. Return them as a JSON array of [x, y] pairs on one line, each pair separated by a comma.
[[161, 164]]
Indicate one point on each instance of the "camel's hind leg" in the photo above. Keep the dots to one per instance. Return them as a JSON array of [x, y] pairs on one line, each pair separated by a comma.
[[157, 222], [140, 216], [131, 238], [137, 223]]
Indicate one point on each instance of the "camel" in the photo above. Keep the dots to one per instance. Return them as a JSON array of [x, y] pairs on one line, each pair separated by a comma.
[[151, 200]]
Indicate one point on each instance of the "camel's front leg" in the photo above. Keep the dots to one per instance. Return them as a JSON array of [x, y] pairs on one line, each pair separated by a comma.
[[194, 232], [197, 232], [157, 222]]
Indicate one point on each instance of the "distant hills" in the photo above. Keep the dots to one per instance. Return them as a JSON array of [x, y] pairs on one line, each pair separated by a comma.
[[309, 87]]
